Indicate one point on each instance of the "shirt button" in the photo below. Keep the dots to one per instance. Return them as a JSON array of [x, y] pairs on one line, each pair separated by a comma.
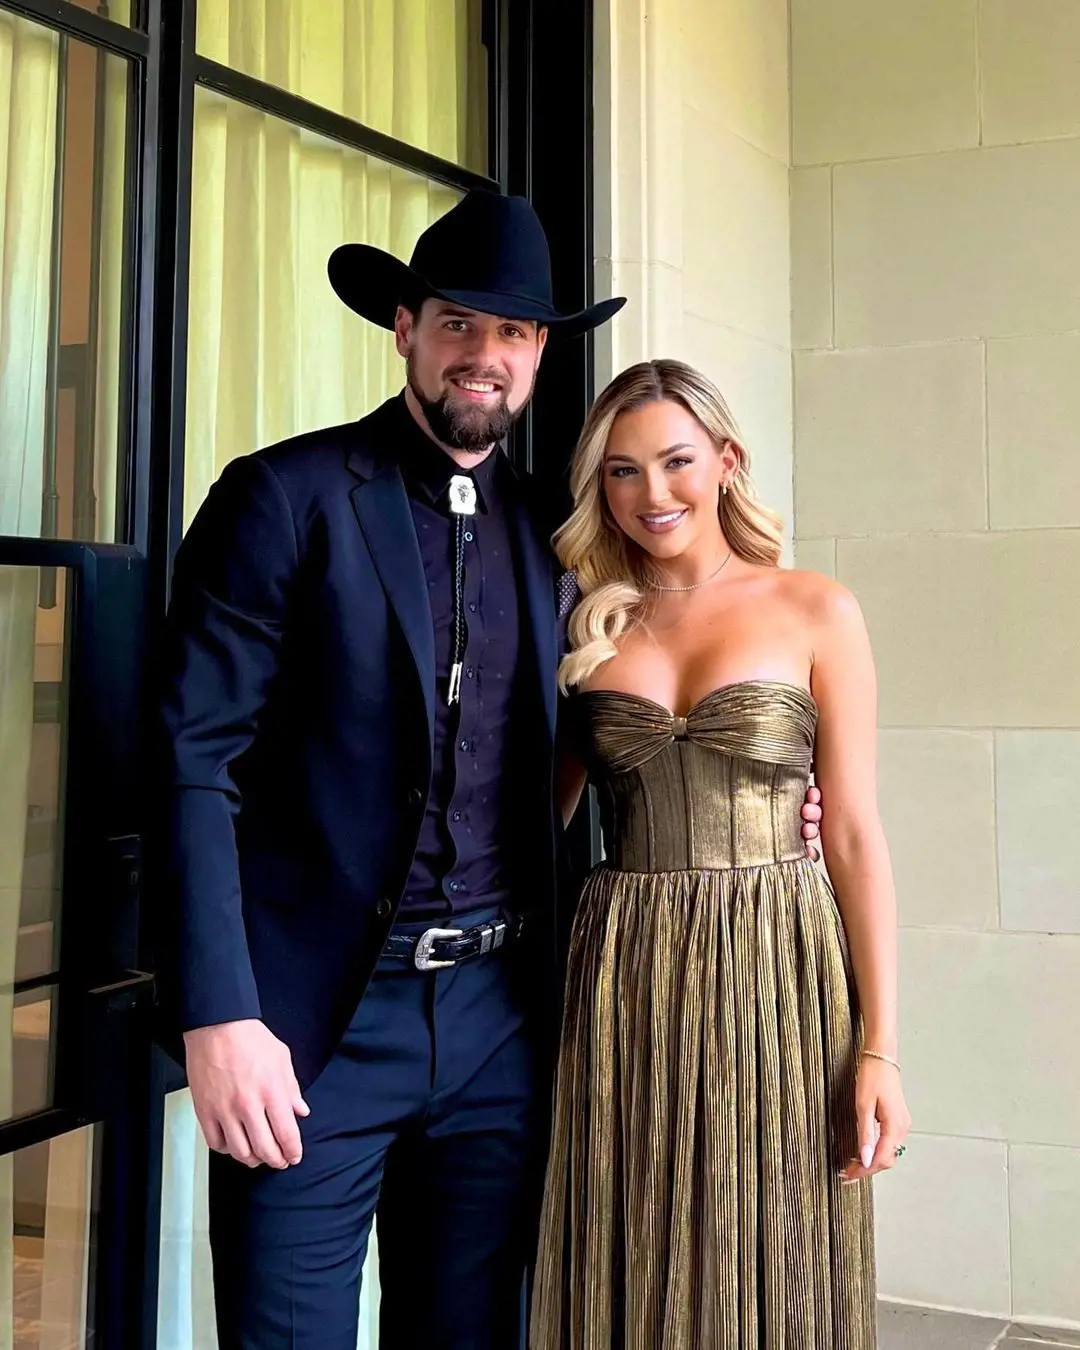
[[463, 745], [383, 908], [457, 815], [454, 886], [470, 673], [468, 537], [472, 608]]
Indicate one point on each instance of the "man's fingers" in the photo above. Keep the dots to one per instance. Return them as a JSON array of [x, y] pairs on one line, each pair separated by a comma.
[[237, 1143], [263, 1143], [282, 1117], [299, 1106], [213, 1133]]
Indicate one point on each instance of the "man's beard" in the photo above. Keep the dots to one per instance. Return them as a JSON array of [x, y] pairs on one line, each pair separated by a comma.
[[459, 424]]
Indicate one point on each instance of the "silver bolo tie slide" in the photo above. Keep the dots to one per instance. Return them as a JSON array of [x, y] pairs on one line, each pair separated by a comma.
[[462, 504]]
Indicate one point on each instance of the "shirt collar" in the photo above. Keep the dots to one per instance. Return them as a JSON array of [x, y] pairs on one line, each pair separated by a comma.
[[428, 468]]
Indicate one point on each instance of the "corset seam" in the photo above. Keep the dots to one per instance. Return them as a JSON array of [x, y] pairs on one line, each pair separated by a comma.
[[729, 789], [772, 810], [650, 818], [688, 799]]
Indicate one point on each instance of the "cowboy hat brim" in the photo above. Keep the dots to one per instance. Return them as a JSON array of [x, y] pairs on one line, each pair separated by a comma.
[[373, 283]]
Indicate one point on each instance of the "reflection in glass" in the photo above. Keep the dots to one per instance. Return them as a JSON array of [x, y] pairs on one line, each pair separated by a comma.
[[63, 133], [117, 10], [45, 1242], [413, 69], [33, 704], [274, 352]]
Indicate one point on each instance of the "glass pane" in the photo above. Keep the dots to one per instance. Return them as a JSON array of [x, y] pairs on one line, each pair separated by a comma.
[[271, 349], [414, 69], [63, 133], [117, 10], [45, 1212], [33, 715]]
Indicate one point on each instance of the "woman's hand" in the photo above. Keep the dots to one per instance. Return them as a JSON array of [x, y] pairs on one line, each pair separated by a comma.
[[882, 1117]]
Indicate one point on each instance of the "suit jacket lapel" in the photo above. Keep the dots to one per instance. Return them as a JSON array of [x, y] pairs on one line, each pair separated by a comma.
[[382, 508], [538, 576]]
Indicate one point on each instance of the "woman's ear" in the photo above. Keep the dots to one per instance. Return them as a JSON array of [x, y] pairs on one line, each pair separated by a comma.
[[731, 458]]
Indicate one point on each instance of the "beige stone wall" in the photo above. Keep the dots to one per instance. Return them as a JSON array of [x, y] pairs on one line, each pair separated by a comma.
[[692, 204], [936, 321]]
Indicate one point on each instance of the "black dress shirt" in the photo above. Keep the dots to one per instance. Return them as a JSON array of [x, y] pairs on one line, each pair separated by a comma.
[[462, 858]]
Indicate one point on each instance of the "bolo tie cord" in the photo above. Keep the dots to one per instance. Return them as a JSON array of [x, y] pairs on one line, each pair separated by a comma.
[[458, 649], [462, 505]]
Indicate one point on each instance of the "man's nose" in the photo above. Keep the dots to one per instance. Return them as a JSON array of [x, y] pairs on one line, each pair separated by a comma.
[[484, 352]]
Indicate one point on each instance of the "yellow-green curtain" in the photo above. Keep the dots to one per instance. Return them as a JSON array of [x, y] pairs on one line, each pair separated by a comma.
[[271, 350], [414, 69], [28, 71], [110, 168]]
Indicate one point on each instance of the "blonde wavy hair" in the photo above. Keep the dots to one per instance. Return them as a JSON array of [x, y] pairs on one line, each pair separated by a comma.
[[613, 572]]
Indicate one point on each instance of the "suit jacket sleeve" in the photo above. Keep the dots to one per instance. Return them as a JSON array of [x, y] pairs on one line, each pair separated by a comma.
[[224, 629]]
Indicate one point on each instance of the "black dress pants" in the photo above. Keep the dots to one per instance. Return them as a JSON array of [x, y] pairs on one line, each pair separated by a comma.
[[429, 1113]]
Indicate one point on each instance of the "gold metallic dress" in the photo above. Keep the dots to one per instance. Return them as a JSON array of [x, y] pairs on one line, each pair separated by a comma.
[[705, 1098]]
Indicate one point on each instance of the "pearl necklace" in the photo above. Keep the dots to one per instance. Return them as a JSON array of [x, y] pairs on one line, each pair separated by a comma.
[[659, 586]]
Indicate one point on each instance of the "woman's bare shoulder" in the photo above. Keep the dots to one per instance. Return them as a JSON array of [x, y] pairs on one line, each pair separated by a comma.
[[819, 598]]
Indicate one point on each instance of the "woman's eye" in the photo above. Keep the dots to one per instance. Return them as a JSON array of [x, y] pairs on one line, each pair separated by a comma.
[[678, 462], [622, 471]]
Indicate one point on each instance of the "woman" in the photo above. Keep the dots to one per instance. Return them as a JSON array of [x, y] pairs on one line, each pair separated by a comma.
[[728, 1078]]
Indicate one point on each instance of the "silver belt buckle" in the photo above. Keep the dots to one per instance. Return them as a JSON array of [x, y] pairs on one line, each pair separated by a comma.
[[422, 957]]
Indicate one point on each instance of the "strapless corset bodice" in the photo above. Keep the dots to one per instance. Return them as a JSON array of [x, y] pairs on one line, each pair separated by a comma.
[[721, 787]]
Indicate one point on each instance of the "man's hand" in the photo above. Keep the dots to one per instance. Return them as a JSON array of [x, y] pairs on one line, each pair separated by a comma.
[[245, 1092], [811, 815]]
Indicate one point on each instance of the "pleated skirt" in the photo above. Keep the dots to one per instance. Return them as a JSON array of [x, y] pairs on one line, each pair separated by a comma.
[[705, 1104]]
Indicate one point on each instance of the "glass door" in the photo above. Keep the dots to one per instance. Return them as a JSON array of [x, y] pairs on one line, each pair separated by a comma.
[[74, 1007]]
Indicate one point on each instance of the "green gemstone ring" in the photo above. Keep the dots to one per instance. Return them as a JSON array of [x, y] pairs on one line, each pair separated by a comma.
[[901, 1150]]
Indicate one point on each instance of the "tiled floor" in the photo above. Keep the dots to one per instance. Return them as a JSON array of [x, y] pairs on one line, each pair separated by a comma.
[[901, 1328], [28, 1330]]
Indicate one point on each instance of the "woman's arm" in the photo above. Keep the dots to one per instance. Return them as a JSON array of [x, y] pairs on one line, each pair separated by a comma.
[[845, 688], [570, 775]]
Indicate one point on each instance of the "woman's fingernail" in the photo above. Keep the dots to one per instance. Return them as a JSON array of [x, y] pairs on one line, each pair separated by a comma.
[[867, 1155]]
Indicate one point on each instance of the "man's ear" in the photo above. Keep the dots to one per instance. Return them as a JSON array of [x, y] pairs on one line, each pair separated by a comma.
[[404, 323], [541, 343]]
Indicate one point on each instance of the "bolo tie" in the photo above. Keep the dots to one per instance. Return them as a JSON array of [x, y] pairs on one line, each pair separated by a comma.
[[462, 507]]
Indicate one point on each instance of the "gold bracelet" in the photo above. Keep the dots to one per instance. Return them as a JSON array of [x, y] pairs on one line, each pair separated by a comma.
[[885, 1059]]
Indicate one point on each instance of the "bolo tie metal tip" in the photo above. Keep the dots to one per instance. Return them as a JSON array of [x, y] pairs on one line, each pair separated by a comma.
[[453, 694]]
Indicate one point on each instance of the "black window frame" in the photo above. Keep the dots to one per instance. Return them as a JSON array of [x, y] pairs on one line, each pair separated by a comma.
[[540, 57]]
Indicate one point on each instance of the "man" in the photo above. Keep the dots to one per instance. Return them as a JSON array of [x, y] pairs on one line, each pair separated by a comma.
[[360, 709]]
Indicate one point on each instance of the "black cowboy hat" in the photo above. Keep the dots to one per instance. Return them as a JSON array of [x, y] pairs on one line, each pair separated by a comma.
[[487, 253]]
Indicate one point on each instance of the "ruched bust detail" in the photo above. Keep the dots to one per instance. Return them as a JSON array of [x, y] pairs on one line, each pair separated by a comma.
[[719, 787]]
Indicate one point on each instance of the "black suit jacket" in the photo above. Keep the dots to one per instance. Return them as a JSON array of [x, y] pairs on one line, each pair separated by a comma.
[[297, 710]]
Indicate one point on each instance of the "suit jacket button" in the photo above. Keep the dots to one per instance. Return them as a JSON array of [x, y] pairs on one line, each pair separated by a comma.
[[415, 796], [383, 908]]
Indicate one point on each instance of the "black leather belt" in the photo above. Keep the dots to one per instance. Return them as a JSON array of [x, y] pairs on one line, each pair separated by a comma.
[[437, 948]]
